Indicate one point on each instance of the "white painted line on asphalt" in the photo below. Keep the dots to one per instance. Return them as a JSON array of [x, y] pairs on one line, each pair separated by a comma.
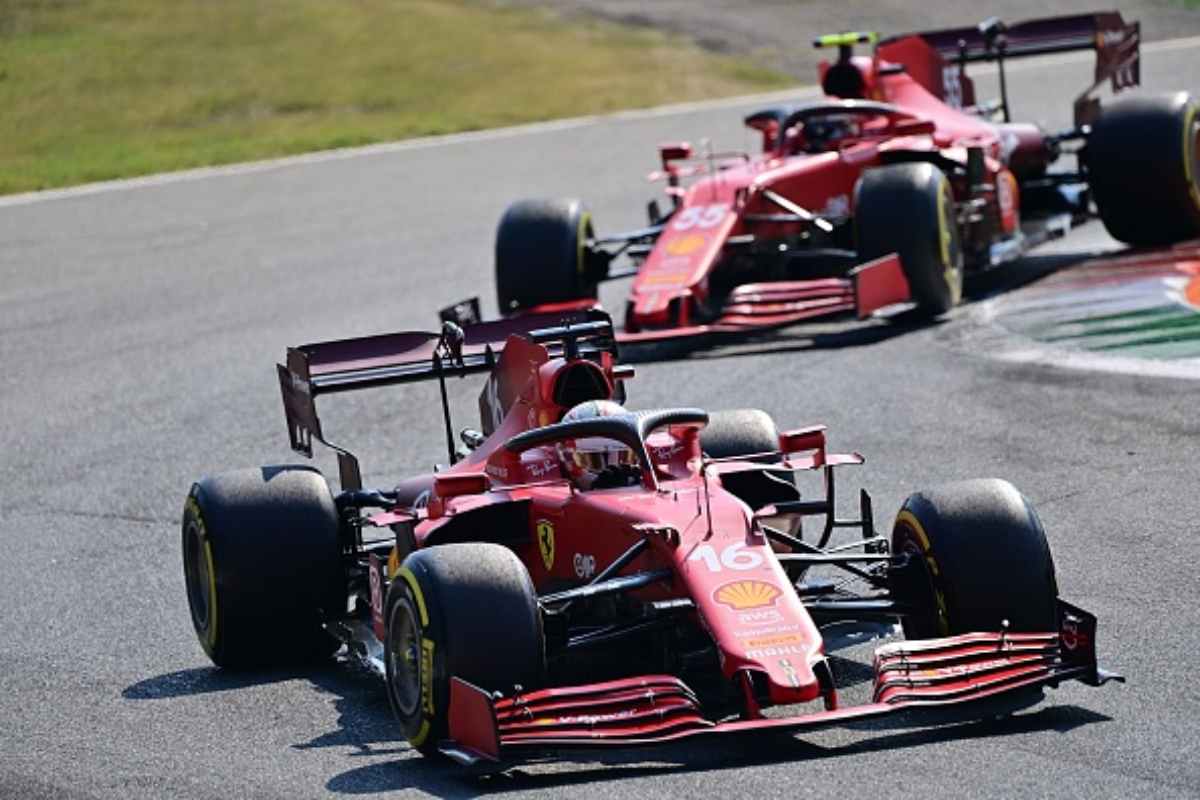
[[1180, 369], [1002, 344], [323, 156]]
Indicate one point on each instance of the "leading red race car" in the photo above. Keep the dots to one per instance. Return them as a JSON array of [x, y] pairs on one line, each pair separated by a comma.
[[583, 575], [884, 191]]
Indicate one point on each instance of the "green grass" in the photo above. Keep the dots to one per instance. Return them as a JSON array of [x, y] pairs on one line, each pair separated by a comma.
[[99, 89]]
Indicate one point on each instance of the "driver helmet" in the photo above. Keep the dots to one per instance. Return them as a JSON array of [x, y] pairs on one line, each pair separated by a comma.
[[596, 462], [821, 133]]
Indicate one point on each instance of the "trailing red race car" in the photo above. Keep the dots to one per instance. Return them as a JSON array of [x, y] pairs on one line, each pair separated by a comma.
[[884, 191], [582, 575]]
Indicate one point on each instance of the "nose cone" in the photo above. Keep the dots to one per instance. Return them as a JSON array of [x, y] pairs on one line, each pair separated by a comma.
[[760, 624]]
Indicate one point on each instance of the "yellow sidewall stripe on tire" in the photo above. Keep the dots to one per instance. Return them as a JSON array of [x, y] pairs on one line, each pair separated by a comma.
[[421, 735], [411, 580], [907, 518], [418, 739], [945, 237], [212, 594], [1189, 154], [210, 636]]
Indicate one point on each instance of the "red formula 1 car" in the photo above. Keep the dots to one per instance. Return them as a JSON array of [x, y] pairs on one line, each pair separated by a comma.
[[884, 191], [582, 575]]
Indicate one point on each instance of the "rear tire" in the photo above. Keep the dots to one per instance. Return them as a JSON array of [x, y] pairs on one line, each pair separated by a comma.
[[458, 610], [262, 566], [1142, 168], [982, 557], [541, 254], [909, 209]]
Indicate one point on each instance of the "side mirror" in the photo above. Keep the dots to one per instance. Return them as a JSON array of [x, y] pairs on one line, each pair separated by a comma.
[[769, 128], [802, 440], [991, 29], [674, 151]]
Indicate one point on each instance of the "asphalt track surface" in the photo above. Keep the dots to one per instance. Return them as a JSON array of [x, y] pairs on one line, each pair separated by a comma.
[[138, 331]]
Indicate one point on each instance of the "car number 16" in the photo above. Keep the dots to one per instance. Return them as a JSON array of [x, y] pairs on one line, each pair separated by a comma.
[[734, 557]]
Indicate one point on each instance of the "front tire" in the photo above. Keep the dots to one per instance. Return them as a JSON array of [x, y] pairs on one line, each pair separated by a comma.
[[739, 432], [1142, 168], [458, 610], [542, 255], [750, 433], [262, 566], [909, 209], [980, 557]]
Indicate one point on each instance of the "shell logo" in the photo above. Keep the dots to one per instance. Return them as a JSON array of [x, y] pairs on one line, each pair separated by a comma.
[[686, 245], [741, 595]]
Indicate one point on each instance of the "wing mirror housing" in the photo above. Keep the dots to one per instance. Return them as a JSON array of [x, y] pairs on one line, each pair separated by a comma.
[[674, 151], [471, 437], [803, 440]]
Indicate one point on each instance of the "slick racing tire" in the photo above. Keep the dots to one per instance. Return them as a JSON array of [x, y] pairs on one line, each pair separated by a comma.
[[1141, 162], [908, 209], [740, 432], [262, 566], [458, 610], [978, 557], [749, 432], [541, 254]]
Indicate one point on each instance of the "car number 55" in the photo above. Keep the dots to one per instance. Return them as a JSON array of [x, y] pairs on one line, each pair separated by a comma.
[[700, 217]]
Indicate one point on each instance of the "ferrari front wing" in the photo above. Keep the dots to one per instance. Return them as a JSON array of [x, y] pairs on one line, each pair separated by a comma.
[[655, 709], [868, 288]]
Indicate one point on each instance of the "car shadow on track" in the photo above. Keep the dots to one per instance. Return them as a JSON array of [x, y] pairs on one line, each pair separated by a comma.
[[205, 680], [364, 720], [846, 333], [366, 731], [449, 780]]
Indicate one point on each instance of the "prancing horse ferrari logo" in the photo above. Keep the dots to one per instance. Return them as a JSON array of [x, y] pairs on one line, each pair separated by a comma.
[[545, 539]]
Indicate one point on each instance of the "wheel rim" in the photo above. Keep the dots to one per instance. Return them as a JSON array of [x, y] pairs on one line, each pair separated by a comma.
[[934, 622], [198, 576], [404, 657]]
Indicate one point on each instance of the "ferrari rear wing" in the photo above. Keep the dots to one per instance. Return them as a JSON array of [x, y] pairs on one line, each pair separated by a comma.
[[1105, 32], [410, 356], [1115, 41]]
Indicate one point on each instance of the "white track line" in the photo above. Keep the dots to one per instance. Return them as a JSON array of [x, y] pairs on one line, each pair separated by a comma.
[[323, 156], [997, 341]]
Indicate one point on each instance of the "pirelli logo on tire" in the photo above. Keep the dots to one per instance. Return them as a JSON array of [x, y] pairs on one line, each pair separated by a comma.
[[427, 677]]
